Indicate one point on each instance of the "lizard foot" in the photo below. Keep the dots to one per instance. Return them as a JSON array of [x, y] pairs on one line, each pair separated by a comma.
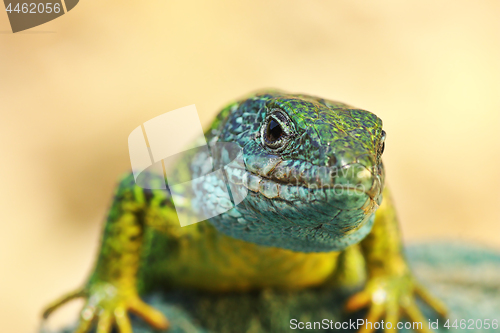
[[108, 306], [388, 298]]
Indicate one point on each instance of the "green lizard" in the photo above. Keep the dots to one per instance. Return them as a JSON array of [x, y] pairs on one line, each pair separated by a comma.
[[315, 213]]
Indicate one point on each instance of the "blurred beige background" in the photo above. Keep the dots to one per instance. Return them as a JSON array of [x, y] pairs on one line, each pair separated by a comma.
[[73, 89]]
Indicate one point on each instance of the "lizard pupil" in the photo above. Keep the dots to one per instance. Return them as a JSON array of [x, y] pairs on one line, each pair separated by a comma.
[[274, 131]]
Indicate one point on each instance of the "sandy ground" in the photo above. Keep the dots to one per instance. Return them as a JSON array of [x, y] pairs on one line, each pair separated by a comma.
[[73, 89]]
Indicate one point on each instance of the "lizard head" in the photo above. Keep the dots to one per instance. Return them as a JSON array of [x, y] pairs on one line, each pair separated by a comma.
[[311, 167]]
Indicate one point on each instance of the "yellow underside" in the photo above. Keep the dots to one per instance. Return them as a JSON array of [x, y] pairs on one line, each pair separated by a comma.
[[215, 262]]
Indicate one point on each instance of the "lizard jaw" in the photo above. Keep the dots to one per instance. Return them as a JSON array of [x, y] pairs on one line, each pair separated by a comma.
[[274, 185], [300, 193]]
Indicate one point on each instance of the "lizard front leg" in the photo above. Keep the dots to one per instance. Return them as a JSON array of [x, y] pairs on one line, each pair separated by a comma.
[[391, 288], [111, 290]]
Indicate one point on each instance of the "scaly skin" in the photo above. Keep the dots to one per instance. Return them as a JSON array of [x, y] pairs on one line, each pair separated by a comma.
[[314, 215]]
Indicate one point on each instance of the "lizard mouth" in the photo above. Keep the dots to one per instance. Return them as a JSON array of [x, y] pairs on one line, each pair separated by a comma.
[[333, 214], [292, 181], [330, 207]]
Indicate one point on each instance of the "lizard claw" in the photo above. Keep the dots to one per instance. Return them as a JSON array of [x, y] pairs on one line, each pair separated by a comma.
[[61, 301], [108, 305], [436, 304], [389, 298]]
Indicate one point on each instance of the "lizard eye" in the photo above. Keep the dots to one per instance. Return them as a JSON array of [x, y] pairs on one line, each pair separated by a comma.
[[276, 130], [273, 131], [381, 145]]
